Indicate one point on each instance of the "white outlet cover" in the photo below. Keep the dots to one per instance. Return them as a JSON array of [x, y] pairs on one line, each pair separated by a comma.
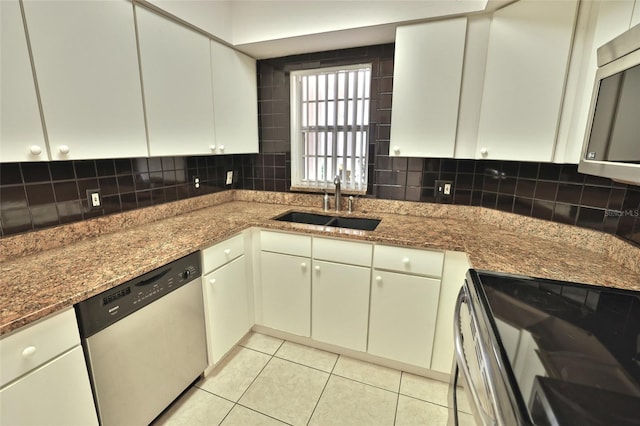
[[95, 199], [229, 177]]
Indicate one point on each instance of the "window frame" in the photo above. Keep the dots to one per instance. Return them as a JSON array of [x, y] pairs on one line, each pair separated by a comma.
[[297, 140]]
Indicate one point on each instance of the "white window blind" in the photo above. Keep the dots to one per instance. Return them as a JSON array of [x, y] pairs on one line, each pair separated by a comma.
[[330, 127]]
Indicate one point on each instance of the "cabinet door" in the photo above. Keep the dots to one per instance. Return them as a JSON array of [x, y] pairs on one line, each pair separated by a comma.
[[340, 304], [426, 88], [58, 393], [176, 74], [21, 135], [286, 293], [614, 18], [227, 307], [235, 100], [635, 16], [529, 45], [455, 267], [403, 317], [86, 64]]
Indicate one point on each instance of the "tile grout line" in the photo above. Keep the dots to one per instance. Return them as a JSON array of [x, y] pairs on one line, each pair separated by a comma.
[[263, 414], [261, 370], [419, 398], [323, 389], [303, 365], [227, 415], [245, 391], [256, 377], [395, 416], [363, 383]]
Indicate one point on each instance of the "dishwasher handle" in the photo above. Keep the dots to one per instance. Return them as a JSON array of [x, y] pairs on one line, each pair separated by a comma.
[[462, 363], [153, 279]]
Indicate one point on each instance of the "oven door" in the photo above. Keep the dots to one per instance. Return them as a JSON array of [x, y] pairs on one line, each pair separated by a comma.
[[469, 368]]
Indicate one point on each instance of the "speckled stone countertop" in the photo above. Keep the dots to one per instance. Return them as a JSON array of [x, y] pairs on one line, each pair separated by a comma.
[[43, 272]]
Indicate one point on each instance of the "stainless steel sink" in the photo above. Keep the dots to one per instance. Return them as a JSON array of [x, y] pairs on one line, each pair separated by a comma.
[[360, 223]]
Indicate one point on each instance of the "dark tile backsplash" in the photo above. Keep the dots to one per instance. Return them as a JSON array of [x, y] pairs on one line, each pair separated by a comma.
[[38, 195]]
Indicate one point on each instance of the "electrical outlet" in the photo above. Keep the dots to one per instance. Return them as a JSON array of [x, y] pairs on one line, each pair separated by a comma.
[[229, 177], [94, 199], [444, 191], [196, 182]]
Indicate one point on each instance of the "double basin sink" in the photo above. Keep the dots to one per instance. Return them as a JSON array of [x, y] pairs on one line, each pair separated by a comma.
[[359, 223]]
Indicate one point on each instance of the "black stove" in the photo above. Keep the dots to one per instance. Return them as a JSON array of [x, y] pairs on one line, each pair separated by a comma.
[[570, 352]]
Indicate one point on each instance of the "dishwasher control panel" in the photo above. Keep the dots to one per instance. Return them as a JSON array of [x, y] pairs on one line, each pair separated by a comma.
[[97, 312]]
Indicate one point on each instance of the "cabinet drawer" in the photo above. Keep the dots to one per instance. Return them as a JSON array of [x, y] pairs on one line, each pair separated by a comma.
[[349, 252], [216, 256], [423, 262], [36, 344], [280, 242]]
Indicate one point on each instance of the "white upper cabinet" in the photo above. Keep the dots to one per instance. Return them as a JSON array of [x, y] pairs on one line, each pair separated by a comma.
[[426, 88], [86, 66], [598, 23], [235, 100], [527, 58], [635, 16], [21, 135], [614, 18], [178, 93]]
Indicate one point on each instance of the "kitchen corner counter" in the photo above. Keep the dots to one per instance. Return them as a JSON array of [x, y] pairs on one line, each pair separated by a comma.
[[46, 271]]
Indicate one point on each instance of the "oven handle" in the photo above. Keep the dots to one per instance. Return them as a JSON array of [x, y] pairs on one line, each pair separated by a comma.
[[462, 364]]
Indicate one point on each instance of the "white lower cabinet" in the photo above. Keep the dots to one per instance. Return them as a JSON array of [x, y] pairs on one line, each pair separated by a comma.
[[43, 375], [405, 290], [455, 267], [395, 303], [286, 293], [228, 305], [403, 317], [227, 301], [57, 393], [340, 304]]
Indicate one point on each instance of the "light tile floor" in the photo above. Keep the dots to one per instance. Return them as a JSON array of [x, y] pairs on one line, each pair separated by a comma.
[[268, 381]]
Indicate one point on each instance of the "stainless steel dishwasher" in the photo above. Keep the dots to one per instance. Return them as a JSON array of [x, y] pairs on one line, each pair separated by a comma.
[[144, 341]]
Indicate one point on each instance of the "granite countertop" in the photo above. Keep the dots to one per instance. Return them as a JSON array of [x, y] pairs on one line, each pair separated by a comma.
[[43, 272]]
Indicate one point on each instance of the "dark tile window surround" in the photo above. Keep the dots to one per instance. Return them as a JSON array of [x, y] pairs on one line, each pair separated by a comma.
[[39, 195]]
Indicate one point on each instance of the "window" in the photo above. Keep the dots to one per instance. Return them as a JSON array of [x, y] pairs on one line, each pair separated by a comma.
[[330, 127]]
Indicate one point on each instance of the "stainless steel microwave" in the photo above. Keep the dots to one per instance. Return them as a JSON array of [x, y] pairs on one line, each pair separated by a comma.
[[612, 140]]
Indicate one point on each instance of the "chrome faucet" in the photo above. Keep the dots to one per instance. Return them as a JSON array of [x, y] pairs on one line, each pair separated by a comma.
[[336, 182]]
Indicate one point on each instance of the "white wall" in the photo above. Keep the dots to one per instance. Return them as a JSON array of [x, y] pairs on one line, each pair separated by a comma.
[[271, 28], [260, 20], [212, 16]]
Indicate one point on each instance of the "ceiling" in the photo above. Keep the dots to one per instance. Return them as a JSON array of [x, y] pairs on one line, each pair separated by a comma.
[[274, 28]]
